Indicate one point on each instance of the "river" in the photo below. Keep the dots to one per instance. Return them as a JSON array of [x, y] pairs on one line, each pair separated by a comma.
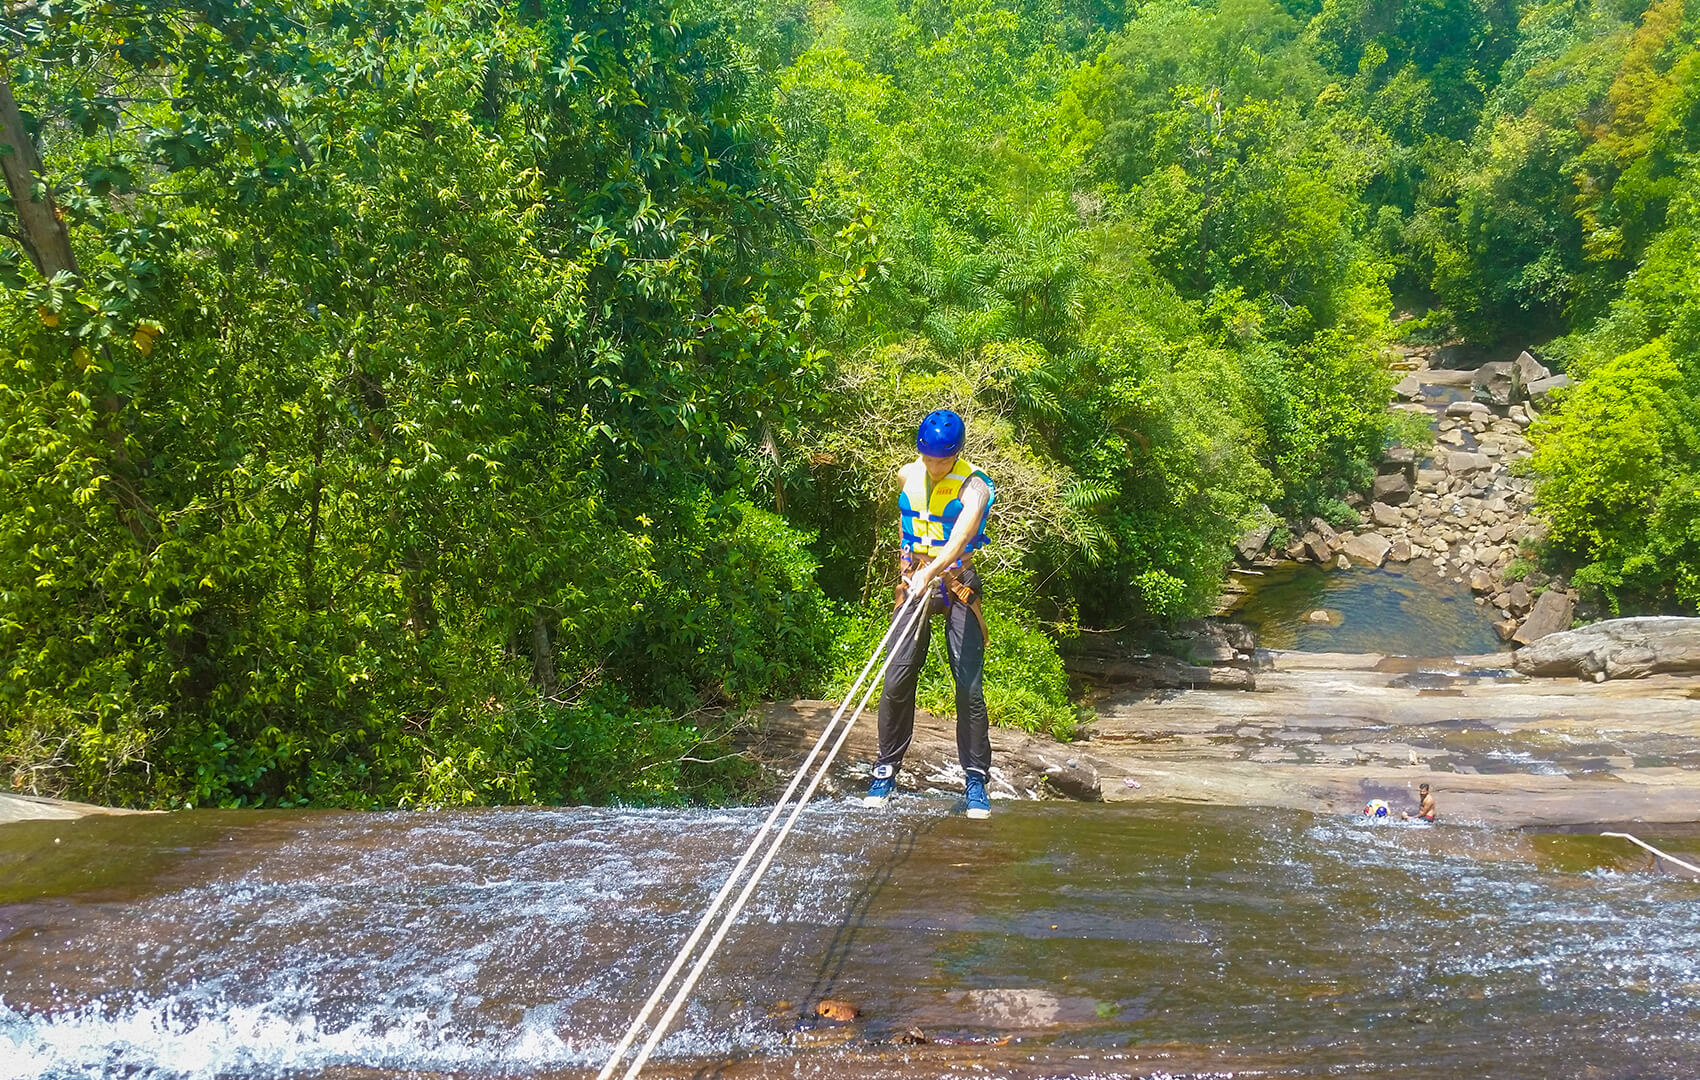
[[1058, 940]]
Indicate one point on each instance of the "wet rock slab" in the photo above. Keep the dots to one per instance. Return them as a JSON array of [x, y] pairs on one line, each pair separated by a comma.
[[1058, 941], [1326, 732], [15, 807], [1023, 766]]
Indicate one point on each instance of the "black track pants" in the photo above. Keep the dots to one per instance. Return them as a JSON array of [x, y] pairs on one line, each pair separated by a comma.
[[967, 665]]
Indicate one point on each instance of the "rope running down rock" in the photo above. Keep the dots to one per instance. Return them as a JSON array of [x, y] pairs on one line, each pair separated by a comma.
[[1638, 842], [909, 616]]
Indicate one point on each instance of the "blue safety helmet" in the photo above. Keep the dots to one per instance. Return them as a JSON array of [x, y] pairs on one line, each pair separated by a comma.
[[942, 434]]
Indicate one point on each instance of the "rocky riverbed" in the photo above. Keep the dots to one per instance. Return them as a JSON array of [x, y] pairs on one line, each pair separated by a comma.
[[1327, 732], [1464, 508]]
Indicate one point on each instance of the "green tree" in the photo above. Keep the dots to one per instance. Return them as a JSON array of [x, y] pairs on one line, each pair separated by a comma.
[[309, 451]]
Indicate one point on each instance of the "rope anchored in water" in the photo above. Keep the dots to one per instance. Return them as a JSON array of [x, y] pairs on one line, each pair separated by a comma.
[[903, 625], [1638, 842]]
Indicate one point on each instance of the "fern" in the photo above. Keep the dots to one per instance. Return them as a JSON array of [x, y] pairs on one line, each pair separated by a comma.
[[1083, 494]]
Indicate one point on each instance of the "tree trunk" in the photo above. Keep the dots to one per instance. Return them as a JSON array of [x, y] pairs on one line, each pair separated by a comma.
[[41, 230], [309, 596], [43, 235], [770, 446], [542, 655]]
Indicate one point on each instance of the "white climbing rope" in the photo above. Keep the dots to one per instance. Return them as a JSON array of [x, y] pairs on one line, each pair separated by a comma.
[[1638, 842], [909, 617]]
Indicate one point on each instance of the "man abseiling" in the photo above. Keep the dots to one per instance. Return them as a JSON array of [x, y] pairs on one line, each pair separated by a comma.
[[942, 508]]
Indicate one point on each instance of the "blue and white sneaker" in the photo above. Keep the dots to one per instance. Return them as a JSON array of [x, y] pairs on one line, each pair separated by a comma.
[[974, 794], [883, 786]]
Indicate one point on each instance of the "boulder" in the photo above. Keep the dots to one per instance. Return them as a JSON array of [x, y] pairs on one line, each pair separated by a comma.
[[1391, 489], [1385, 516], [1326, 531], [1529, 370], [1466, 410], [1400, 551], [1463, 463], [1251, 545], [1430, 478], [1158, 672], [1295, 550], [1518, 599], [1505, 628], [1496, 384], [1199, 641], [1317, 548], [1399, 459], [1341, 562], [1408, 389], [1214, 634], [1481, 582], [1206, 652], [1540, 391], [1550, 614], [1370, 549], [1616, 648]]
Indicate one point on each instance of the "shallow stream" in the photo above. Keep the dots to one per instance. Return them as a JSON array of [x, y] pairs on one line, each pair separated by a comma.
[[1400, 611], [1057, 940]]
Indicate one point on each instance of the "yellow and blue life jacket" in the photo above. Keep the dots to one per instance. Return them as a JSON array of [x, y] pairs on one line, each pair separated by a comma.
[[928, 512]]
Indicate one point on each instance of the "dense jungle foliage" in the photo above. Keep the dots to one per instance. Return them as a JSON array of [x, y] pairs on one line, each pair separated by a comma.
[[422, 402]]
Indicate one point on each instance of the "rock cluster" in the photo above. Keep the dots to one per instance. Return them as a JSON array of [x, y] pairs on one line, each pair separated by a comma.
[[1460, 510], [1504, 383], [1196, 654]]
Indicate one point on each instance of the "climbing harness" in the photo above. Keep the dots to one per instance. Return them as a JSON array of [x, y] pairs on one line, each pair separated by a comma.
[[904, 625], [951, 589], [1638, 842]]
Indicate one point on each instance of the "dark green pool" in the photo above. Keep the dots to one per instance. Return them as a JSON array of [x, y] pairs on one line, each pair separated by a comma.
[[1411, 611]]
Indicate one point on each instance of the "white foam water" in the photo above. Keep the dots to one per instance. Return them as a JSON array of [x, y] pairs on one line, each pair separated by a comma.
[[165, 1040], [477, 943]]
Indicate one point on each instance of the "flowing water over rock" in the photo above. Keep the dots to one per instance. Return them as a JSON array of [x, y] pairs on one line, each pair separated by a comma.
[[1060, 939]]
